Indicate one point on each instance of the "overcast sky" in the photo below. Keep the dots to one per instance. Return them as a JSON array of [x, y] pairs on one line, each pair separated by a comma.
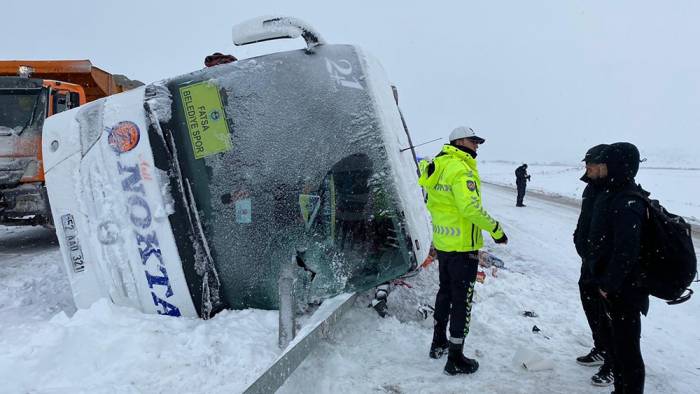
[[540, 80]]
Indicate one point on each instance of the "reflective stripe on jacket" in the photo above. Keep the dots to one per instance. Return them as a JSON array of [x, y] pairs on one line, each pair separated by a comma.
[[454, 202]]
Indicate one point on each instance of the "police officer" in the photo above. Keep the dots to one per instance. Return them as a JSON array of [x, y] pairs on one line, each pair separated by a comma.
[[452, 184], [521, 178]]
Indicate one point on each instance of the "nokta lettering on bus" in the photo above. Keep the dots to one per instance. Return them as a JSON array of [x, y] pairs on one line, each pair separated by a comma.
[[146, 238]]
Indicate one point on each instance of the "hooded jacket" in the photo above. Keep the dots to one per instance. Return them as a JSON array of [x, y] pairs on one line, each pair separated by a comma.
[[588, 199], [453, 190], [614, 240]]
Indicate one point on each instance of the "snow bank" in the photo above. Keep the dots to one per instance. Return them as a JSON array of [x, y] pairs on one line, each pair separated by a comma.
[[107, 349]]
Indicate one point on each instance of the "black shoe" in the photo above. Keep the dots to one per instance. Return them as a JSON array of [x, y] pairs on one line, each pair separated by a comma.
[[520, 205], [604, 377], [457, 363], [438, 350], [380, 306], [594, 358], [439, 346]]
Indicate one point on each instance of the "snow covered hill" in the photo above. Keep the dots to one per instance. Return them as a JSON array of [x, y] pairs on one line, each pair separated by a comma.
[[49, 348]]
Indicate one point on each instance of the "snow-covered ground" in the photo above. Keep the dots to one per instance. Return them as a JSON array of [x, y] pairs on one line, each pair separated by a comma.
[[46, 347], [678, 188]]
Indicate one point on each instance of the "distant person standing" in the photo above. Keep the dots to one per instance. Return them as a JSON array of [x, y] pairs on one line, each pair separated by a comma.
[[453, 186], [591, 300], [521, 178]]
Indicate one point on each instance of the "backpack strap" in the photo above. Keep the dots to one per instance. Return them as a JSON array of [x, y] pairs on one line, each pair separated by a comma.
[[644, 196], [639, 194], [685, 297]]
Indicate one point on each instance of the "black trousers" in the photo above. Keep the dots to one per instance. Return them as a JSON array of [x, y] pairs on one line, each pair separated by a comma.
[[454, 298], [625, 328], [594, 309], [521, 193]]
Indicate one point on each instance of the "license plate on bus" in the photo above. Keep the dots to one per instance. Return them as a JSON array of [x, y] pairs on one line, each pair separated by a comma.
[[70, 234]]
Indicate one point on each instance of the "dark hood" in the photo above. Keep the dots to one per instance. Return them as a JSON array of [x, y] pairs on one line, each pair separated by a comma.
[[622, 159]]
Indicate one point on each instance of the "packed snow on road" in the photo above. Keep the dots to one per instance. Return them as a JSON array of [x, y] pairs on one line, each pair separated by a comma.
[[50, 347]]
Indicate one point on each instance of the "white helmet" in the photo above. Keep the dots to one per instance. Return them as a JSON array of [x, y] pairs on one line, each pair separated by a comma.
[[465, 132]]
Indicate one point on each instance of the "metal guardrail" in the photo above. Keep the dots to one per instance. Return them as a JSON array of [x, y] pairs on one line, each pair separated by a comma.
[[320, 324]]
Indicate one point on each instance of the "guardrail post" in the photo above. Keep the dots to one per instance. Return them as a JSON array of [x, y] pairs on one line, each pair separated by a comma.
[[287, 321]]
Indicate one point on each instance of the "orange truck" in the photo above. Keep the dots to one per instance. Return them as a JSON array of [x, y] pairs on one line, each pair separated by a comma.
[[30, 91]]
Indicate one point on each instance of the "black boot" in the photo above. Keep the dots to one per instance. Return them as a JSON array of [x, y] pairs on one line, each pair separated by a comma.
[[438, 347], [457, 363]]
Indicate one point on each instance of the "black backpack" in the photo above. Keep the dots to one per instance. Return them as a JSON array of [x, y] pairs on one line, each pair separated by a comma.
[[668, 260]]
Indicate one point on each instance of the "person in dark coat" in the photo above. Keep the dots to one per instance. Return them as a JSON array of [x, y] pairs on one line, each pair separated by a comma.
[[217, 58], [521, 178], [613, 253], [591, 299]]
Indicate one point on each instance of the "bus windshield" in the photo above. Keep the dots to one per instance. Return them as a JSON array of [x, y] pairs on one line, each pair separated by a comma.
[[286, 163]]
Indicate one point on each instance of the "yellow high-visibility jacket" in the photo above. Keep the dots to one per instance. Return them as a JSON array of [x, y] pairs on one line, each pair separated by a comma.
[[454, 202]]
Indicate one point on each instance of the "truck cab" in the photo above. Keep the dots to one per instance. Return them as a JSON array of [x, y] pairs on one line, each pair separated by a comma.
[[31, 91], [24, 104]]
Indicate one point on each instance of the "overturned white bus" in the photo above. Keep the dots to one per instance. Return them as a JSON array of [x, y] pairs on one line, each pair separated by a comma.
[[186, 196]]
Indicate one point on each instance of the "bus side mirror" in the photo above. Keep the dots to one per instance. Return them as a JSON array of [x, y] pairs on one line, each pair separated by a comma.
[[274, 28]]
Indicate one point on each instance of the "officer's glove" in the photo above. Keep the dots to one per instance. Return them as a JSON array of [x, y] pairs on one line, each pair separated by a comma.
[[502, 240]]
